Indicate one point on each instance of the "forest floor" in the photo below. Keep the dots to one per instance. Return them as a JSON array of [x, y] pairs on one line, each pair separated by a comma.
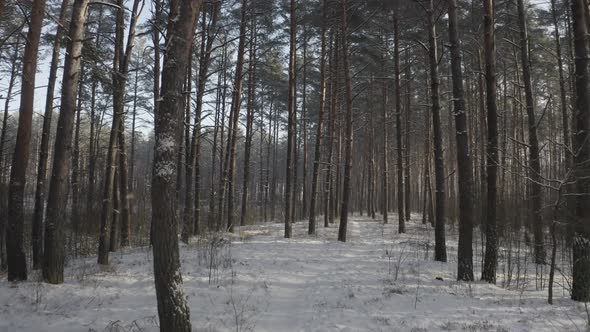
[[259, 281]]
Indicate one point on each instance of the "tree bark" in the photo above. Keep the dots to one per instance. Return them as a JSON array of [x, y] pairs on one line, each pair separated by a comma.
[[491, 251], [407, 149], [291, 118], [385, 149], [3, 193], [398, 124], [318, 139], [250, 109], [581, 242], [569, 202], [93, 142], [440, 247], [75, 181], [124, 202], [222, 159], [334, 65], [349, 134], [465, 251]]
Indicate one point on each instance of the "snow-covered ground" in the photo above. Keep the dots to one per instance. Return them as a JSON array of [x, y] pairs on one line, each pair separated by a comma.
[[378, 281]]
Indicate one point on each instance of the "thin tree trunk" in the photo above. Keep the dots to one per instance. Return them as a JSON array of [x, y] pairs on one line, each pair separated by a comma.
[[304, 127], [440, 247], [230, 153], [372, 169], [156, 79], [491, 251], [534, 158], [385, 149], [348, 148], [318, 139], [249, 118], [75, 181], [92, 151], [124, 203], [563, 99], [465, 251], [398, 125], [131, 183], [212, 192], [111, 164], [581, 243], [329, 182], [3, 193], [157, 55], [291, 118], [204, 64], [222, 170], [116, 215], [407, 149], [189, 206]]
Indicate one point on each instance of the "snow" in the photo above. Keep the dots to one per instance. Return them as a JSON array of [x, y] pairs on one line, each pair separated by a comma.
[[165, 168], [259, 281]]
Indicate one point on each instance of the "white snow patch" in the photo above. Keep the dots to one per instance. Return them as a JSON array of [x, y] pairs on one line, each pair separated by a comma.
[[263, 282]]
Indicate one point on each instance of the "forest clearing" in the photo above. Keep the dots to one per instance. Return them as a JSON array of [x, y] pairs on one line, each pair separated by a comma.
[[259, 281]]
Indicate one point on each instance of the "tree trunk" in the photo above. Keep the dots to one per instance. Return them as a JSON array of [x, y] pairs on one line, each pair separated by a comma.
[[116, 211], [218, 107], [173, 309], [329, 182], [407, 159], [75, 181], [291, 118], [385, 149], [218, 223], [111, 164], [465, 251], [491, 251], [534, 159], [348, 148], [124, 206], [569, 202], [93, 150], [581, 243], [304, 127], [318, 139], [17, 261], [54, 253], [3, 193], [249, 118], [189, 206], [230, 153], [37, 227], [440, 247], [398, 125]]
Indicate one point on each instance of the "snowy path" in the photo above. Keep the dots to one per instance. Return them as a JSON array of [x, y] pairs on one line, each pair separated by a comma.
[[266, 283]]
